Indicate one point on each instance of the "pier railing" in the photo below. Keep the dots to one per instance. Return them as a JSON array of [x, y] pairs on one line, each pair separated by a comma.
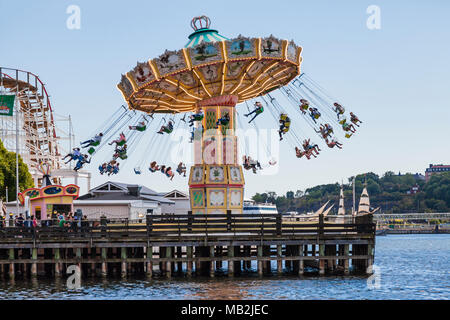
[[179, 226]]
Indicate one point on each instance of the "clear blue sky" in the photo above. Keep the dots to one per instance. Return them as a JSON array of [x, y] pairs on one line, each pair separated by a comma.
[[395, 79]]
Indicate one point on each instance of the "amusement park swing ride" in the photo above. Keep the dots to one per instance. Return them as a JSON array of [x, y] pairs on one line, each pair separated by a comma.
[[209, 77], [200, 87]]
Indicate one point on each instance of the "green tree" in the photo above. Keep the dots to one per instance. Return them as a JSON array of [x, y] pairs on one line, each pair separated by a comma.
[[8, 174]]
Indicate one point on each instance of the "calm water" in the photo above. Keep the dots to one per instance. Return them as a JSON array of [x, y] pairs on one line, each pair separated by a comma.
[[410, 266]]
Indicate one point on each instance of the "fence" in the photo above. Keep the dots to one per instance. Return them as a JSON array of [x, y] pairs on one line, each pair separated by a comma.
[[169, 226]]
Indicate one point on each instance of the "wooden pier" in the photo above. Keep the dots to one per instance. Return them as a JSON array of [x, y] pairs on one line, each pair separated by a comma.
[[191, 245]]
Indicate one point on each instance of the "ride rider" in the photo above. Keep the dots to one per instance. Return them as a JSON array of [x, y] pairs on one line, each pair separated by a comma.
[[166, 128], [354, 119], [332, 143], [196, 117], [92, 142], [142, 126], [119, 142], [314, 113], [338, 109], [223, 121], [258, 110], [304, 105], [285, 123]]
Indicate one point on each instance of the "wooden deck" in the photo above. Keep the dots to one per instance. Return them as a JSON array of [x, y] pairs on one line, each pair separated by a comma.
[[193, 244]]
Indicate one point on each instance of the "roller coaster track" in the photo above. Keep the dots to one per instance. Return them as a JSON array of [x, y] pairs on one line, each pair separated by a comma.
[[37, 130]]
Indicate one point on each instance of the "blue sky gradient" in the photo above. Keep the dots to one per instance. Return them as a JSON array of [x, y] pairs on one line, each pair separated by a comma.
[[395, 79]]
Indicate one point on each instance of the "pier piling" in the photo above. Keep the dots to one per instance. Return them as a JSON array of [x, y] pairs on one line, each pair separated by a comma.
[[128, 251]]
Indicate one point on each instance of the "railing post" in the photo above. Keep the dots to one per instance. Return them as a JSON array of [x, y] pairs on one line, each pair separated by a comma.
[[262, 226], [321, 225], [189, 221], [149, 222], [228, 220], [278, 224], [103, 225]]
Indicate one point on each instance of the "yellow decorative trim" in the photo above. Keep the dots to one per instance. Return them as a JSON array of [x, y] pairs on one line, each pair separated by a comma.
[[208, 168], [133, 82], [187, 58], [241, 180], [261, 73], [210, 211], [264, 88], [169, 94], [284, 44], [242, 77], [242, 198], [192, 173], [191, 191], [154, 68], [225, 196], [265, 81], [224, 66], [258, 49], [201, 82], [182, 86]]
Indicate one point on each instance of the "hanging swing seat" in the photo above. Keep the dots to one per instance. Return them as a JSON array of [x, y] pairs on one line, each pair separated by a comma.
[[121, 142], [91, 150]]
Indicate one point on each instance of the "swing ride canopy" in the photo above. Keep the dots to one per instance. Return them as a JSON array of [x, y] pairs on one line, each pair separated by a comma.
[[210, 66]]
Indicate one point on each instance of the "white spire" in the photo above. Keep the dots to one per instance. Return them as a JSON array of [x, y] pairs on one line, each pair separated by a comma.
[[341, 210], [364, 202]]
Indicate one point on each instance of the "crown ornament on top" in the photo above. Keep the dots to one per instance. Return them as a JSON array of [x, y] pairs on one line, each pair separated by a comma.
[[201, 22]]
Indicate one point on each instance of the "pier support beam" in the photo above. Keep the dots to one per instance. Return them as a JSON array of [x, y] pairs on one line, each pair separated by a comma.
[[230, 262], [346, 261], [219, 252], [189, 263], [260, 262], [369, 261], [123, 256], [179, 263], [11, 265], [93, 265], [321, 261], [237, 264], [168, 263], [104, 265], [211, 267], [267, 264], [301, 264], [279, 260], [149, 256], [34, 264], [57, 263]]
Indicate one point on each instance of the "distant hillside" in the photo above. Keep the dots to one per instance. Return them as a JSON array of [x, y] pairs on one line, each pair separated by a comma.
[[388, 192]]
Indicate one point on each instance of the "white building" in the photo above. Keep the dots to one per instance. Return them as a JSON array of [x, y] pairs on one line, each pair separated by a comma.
[[181, 199], [121, 200]]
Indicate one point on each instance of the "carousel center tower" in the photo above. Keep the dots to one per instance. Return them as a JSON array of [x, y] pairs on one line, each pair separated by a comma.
[[212, 74]]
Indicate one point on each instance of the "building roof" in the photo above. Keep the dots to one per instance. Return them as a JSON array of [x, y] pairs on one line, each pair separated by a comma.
[[174, 194], [202, 33], [111, 190]]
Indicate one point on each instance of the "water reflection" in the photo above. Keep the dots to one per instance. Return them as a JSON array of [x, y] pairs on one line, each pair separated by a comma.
[[412, 267]]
